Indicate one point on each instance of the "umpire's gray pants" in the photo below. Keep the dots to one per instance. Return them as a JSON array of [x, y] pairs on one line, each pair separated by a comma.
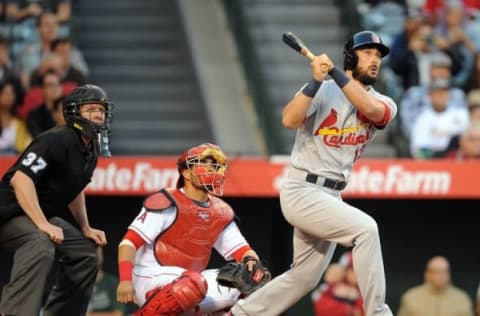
[[321, 220], [33, 260]]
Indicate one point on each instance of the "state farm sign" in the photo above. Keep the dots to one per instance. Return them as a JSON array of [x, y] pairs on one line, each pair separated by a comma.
[[263, 177], [139, 177], [399, 180]]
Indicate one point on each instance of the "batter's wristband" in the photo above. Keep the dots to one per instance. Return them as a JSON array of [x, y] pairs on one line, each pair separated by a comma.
[[311, 88], [125, 268], [339, 77]]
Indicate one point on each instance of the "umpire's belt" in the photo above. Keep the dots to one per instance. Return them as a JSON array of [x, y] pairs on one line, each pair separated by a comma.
[[316, 179]]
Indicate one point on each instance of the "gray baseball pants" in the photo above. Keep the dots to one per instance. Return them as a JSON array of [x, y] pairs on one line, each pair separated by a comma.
[[34, 257], [321, 220]]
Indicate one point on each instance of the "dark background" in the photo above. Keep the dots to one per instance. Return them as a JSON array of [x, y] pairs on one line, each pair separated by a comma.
[[411, 231]]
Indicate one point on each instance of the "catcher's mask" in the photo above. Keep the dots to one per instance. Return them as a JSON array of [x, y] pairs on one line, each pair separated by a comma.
[[207, 164], [99, 132], [359, 40]]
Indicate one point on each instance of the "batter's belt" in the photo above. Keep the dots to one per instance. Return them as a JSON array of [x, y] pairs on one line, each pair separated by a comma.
[[296, 173]]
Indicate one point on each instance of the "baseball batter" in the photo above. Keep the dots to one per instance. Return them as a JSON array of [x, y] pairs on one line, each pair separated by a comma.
[[335, 121], [165, 252]]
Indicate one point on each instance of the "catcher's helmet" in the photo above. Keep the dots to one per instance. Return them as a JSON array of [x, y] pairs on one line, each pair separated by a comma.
[[89, 94], [361, 39], [207, 163]]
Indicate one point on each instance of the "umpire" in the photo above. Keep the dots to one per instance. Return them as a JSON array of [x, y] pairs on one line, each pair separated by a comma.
[[46, 182]]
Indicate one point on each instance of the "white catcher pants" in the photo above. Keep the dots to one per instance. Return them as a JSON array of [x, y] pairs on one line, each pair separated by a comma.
[[321, 220]]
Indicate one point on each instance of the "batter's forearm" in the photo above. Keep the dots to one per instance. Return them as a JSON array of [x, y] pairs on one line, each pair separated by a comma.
[[364, 102], [27, 197]]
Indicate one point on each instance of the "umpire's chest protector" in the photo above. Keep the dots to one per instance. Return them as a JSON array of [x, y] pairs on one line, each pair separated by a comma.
[[188, 242]]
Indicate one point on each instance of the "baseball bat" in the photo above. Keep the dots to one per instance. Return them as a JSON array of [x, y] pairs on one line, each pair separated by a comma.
[[298, 45]]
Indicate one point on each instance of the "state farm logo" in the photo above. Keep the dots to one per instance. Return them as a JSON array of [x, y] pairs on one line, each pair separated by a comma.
[[335, 137], [396, 179], [142, 176]]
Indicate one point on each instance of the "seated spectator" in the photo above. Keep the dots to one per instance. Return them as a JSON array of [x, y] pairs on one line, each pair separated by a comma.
[[339, 294], [103, 301], [436, 124], [474, 115], [413, 65], [468, 144], [399, 46], [14, 137], [63, 47], [40, 119], [452, 33], [33, 55], [417, 98], [25, 12], [436, 296]]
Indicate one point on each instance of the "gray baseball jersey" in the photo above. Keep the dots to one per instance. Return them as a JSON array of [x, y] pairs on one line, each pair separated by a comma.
[[335, 133], [332, 137]]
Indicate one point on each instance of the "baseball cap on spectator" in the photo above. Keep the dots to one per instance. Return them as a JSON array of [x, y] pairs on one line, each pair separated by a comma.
[[440, 59]]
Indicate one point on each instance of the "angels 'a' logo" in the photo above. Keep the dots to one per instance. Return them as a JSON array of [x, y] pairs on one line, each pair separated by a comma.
[[203, 215]]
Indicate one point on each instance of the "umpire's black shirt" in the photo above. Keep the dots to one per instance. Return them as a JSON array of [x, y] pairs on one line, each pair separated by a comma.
[[60, 165]]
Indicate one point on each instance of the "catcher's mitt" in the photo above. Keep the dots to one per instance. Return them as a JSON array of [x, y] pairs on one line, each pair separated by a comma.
[[236, 275]]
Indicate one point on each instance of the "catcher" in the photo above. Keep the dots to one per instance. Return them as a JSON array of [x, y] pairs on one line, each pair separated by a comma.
[[163, 256]]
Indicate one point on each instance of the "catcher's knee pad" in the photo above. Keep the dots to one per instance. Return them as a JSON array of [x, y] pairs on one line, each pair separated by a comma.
[[181, 295]]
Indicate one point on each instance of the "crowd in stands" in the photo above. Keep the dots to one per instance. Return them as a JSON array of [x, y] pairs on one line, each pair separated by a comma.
[[435, 60], [39, 64], [338, 294]]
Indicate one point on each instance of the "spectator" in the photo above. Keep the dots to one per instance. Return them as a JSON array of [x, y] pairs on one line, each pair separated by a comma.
[[339, 294], [468, 144], [436, 124], [413, 66], [417, 98], [399, 47], [103, 301], [474, 114], [33, 55], [451, 36], [413, 63], [436, 296], [25, 12], [14, 136], [40, 119], [63, 47]]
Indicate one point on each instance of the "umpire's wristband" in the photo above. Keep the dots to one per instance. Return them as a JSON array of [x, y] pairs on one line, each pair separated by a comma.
[[339, 77], [311, 88]]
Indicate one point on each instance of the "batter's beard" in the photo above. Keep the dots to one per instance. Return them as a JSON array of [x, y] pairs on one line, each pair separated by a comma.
[[363, 77]]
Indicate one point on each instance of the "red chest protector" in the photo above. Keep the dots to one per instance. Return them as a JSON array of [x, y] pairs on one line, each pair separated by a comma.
[[188, 242]]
